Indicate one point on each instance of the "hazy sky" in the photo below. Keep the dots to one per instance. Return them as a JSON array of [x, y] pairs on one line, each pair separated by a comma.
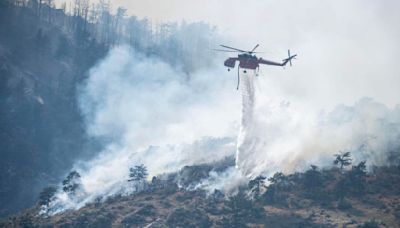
[[347, 49]]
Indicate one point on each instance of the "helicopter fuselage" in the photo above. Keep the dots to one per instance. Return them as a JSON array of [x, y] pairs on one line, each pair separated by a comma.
[[246, 61]]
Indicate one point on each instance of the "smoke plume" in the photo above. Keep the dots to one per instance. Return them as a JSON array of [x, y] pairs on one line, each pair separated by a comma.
[[145, 111], [278, 136]]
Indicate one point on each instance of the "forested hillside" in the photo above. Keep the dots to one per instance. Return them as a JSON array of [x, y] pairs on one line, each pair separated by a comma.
[[341, 196], [45, 53]]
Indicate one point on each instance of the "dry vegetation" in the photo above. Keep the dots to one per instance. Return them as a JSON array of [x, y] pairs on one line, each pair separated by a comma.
[[315, 198]]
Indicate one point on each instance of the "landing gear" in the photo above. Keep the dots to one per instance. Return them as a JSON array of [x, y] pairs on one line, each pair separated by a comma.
[[229, 69], [244, 71]]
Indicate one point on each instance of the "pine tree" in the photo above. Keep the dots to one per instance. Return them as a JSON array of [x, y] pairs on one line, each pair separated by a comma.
[[138, 173], [256, 184], [72, 182], [343, 160]]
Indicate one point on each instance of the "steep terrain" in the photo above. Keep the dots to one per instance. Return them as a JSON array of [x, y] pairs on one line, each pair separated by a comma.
[[316, 198], [41, 127], [45, 55]]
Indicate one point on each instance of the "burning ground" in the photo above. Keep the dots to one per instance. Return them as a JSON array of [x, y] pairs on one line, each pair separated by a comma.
[[335, 197]]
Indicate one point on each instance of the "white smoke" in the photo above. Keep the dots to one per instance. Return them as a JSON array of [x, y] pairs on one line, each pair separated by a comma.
[[278, 136], [226, 181], [147, 112]]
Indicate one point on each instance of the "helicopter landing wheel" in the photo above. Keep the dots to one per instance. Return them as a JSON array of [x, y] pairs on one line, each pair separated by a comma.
[[244, 71]]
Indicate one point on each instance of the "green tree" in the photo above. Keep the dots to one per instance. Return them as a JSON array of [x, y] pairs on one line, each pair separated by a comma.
[[343, 159], [277, 191], [353, 182], [138, 173], [72, 182], [242, 211], [312, 178], [256, 184], [277, 178], [313, 185], [357, 176]]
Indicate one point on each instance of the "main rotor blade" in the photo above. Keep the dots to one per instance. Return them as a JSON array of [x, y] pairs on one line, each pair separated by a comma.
[[252, 51], [224, 50], [232, 48]]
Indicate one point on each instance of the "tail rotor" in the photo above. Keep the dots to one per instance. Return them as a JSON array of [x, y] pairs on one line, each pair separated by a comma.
[[289, 58]]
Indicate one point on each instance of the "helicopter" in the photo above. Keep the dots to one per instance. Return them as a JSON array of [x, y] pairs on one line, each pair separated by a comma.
[[247, 60]]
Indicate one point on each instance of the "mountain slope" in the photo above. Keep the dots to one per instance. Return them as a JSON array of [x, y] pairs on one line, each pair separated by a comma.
[[289, 201], [41, 127]]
